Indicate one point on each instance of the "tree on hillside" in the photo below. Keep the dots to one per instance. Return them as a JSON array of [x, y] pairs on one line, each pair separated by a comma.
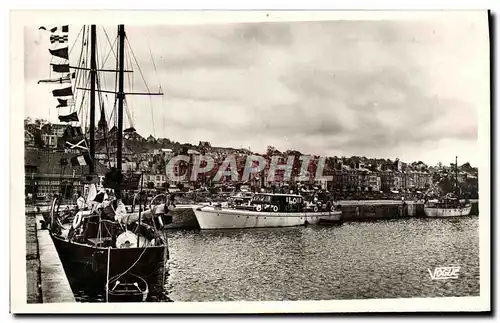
[[470, 188], [467, 189], [38, 140], [468, 168], [40, 122]]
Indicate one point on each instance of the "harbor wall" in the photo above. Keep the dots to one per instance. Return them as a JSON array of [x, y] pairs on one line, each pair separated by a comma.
[[363, 211], [475, 208]]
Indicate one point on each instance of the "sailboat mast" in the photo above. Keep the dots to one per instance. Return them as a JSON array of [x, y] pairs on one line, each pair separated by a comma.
[[121, 98], [93, 72], [456, 176]]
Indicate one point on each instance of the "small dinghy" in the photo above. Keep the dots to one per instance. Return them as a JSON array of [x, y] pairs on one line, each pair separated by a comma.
[[127, 288]]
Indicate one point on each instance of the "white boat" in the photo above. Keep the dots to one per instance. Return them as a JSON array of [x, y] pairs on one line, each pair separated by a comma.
[[435, 212], [448, 206], [265, 210]]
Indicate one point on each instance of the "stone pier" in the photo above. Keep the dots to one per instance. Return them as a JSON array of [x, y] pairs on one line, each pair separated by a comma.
[[46, 279]]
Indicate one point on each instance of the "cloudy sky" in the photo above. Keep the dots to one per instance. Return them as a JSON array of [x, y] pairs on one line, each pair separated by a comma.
[[407, 89]]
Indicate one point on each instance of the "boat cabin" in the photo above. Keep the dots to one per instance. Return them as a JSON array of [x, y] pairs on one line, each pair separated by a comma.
[[449, 201], [240, 198], [277, 202]]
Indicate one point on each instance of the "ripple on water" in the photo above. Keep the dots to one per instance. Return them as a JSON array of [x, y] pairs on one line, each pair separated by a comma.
[[382, 259]]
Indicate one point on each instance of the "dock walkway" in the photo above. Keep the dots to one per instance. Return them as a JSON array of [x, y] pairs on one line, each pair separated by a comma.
[[55, 287], [34, 293]]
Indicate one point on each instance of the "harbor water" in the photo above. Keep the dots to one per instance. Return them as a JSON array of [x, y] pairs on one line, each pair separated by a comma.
[[353, 260]]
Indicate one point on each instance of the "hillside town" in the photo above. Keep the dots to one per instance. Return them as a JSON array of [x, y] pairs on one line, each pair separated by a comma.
[[48, 169]]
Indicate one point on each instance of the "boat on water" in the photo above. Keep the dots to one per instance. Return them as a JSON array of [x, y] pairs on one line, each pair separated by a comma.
[[94, 246], [99, 238], [265, 210], [127, 288], [449, 205]]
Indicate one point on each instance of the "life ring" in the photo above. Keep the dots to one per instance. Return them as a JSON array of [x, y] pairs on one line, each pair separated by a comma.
[[275, 208], [315, 208], [258, 208], [77, 220], [332, 208]]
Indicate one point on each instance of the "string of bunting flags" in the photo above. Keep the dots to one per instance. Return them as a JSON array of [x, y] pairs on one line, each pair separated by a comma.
[[63, 67], [64, 29], [64, 79], [73, 137]]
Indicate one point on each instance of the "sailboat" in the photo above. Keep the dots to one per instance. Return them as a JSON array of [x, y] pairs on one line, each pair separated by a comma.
[[104, 243], [449, 205]]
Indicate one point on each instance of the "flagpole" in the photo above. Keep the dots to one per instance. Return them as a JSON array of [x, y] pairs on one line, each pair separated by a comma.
[[93, 68], [121, 98]]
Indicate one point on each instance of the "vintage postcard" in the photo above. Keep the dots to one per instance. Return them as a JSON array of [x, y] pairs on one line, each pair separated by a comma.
[[250, 162]]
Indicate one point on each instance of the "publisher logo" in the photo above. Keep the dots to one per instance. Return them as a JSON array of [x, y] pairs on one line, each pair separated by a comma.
[[444, 273]]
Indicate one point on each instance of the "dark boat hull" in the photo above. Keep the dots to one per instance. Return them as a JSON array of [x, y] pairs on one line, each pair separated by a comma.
[[84, 263]]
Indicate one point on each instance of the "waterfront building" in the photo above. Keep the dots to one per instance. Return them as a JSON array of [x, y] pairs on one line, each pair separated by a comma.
[[51, 133], [157, 180], [369, 180], [387, 180], [397, 184], [50, 172]]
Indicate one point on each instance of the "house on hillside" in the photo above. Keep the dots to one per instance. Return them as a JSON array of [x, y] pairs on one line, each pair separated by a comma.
[[107, 153], [204, 146], [134, 136], [151, 139], [51, 133], [163, 141], [165, 153], [193, 152]]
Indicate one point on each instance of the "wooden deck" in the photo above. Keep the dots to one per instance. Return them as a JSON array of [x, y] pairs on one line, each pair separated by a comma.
[[54, 283]]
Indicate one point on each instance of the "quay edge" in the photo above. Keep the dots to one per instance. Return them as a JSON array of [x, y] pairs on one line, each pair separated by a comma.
[[46, 278]]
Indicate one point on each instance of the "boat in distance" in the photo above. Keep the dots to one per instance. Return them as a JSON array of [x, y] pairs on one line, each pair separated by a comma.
[[448, 206], [266, 210]]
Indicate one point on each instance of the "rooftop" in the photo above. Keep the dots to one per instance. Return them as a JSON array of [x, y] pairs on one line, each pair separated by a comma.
[[49, 162]]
